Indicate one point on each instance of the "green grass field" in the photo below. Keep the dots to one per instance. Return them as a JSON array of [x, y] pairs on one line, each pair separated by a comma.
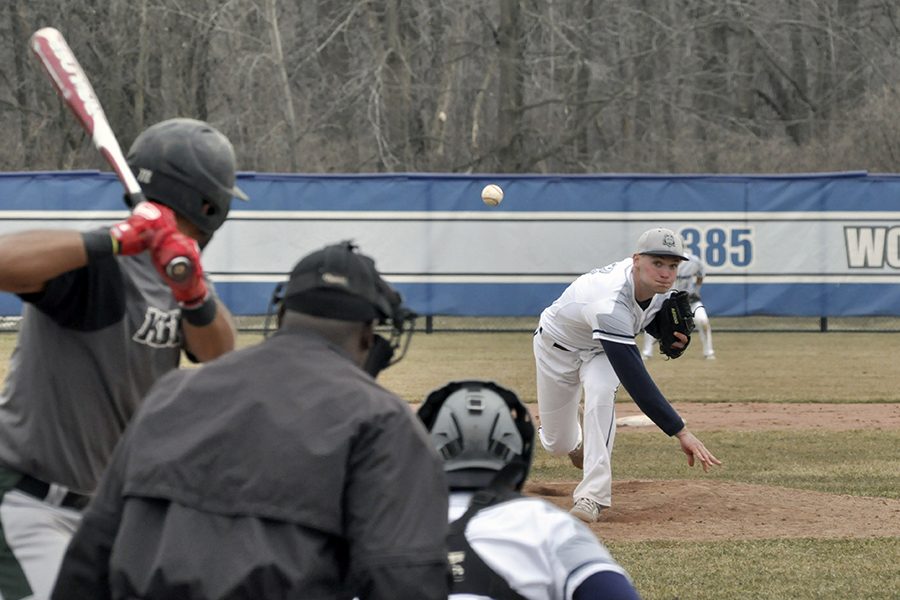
[[797, 367], [778, 367], [798, 569]]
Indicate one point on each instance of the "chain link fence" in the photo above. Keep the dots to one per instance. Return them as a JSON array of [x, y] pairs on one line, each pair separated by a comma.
[[437, 323], [434, 324]]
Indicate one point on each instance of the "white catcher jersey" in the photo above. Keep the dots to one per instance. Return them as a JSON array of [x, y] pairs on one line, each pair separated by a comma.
[[688, 272], [541, 551], [599, 305]]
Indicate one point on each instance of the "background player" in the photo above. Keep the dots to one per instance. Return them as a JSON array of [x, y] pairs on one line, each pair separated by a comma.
[[101, 323], [586, 339], [689, 279], [282, 470], [503, 544]]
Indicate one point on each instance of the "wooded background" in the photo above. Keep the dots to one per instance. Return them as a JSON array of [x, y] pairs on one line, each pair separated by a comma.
[[474, 85]]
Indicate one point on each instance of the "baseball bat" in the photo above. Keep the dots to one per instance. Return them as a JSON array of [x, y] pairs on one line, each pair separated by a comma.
[[73, 86]]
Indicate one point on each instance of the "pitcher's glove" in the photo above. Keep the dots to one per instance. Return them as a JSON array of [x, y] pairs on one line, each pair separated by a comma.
[[675, 315]]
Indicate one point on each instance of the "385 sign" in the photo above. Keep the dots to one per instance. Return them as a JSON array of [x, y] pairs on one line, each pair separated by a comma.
[[721, 246]]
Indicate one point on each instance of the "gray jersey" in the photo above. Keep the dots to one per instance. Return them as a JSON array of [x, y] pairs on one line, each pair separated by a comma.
[[688, 273], [89, 347]]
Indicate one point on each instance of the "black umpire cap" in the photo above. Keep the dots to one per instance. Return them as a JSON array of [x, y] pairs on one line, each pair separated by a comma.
[[337, 282]]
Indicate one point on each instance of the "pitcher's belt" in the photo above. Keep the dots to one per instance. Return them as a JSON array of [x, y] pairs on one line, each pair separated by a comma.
[[555, 345]]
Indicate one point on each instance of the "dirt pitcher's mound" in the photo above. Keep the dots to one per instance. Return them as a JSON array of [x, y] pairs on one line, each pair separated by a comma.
[[716, 510]]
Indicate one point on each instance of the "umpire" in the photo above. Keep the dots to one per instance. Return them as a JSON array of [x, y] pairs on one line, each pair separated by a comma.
[[280, 470]]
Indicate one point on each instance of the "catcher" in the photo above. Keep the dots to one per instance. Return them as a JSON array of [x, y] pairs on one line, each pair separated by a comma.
[[586, 339]]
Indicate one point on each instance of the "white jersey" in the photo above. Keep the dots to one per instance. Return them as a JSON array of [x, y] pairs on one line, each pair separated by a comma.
[[542, 552], [599, 305], [688, 272]]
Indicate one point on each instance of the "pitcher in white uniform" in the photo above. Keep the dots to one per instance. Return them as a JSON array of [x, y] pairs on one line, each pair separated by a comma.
[[586, 340]]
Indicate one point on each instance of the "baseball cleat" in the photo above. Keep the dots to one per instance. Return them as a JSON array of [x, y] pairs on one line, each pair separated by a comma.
[[710, 356], [587, 510], [577, 457]]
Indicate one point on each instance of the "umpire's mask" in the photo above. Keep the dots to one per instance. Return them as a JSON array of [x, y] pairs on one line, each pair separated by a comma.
[[337, 282], [482, 431]]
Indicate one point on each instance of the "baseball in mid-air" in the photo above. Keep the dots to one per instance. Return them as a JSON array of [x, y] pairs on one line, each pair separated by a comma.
[[492, 194]]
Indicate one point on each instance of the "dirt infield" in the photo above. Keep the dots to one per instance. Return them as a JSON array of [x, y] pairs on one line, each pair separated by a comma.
[[763, 416], [717, 510]]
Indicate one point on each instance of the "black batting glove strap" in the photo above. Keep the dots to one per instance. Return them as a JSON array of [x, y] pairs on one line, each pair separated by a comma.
[[98, 244], [202, 315]]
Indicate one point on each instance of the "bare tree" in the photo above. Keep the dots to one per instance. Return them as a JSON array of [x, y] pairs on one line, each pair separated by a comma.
[[469, 85]]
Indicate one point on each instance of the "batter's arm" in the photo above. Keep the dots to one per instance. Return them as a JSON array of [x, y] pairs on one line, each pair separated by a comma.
[[29, 259], [211, 341]]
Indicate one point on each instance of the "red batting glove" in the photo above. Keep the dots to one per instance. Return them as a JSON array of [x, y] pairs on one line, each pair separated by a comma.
[[192, 291], [135, 234]]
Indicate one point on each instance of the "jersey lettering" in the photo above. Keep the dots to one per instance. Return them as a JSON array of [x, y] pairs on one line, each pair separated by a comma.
[[606, 269], [457, 570], [160, 329], [144, 175]]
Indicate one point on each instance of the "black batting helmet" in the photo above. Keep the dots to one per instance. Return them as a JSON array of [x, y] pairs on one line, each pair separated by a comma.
[[189, 166], [479, 428]]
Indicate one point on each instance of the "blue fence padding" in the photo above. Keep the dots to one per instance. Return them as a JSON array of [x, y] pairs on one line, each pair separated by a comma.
[[856, 191], [489, 300], [817, 244], [802, 300]]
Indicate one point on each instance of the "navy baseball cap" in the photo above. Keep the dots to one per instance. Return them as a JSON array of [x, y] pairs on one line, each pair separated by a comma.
[[337, 282], [661, 242]]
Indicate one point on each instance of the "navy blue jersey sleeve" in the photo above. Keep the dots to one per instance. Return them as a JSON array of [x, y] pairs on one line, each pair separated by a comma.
[[626, 362], [85, 299], [606, 585], [653, 327]]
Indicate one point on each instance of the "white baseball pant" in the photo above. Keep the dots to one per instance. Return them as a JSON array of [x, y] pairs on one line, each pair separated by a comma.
[[561, 376], [37, 534], [701, 320]]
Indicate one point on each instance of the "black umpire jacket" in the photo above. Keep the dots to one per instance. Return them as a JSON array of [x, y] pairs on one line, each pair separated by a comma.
[[278, 471]]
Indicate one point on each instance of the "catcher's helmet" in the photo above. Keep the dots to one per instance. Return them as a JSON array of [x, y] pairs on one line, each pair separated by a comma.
[[189, 166], [479, 428]]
